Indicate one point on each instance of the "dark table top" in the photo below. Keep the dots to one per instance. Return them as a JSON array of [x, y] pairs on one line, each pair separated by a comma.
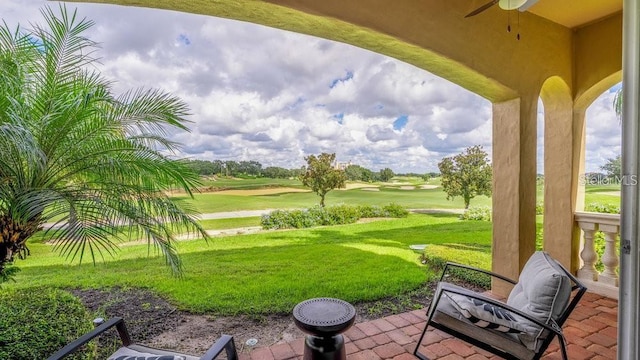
[[324, 317]]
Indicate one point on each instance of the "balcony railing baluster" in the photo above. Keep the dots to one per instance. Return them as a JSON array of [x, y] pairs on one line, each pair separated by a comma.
[[605, 283]]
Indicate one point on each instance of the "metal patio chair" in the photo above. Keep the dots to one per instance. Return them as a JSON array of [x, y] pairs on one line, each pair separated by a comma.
[[520, 328], [129, 350]]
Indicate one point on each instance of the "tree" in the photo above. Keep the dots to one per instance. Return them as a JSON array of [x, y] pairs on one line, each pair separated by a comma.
[[467, 174], [76, 155], [358, 173], [275, 172], [613, 167], [386, 174], [321, 176], [251, 168]]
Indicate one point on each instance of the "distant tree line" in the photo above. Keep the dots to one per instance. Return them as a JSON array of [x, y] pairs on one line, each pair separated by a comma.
[[359, 173], [240, 169], [255, 169]]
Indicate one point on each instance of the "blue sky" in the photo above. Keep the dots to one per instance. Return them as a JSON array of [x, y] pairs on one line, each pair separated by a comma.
[[273, 96]]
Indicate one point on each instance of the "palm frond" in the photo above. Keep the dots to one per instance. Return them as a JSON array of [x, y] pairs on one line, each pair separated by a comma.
[[150, 111], [617, 104]]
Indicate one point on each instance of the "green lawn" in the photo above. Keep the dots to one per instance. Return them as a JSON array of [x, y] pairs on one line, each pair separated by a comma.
[[603, 194], [250, 183], [413, 199], [231, 223], [271, 271]]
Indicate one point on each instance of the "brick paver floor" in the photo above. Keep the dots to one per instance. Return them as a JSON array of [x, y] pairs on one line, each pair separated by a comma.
[[591, 332]]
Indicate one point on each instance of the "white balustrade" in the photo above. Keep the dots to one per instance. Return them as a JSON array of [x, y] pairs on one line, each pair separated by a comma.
[[605, 282]]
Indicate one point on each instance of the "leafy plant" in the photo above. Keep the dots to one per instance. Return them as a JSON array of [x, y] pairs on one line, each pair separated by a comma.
[[333, 215], [603, 208], [482, 213], [35, 326], [8, 274], [73, 153], [395, 210], [437, 264]]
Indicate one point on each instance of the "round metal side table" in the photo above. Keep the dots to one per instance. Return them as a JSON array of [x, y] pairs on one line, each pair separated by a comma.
[[324, 319]]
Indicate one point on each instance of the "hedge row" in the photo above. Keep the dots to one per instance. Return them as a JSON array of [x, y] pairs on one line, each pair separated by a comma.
[[334, 215], [482, 213]]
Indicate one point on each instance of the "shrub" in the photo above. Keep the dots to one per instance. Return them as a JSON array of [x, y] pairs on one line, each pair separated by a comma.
[[394, 210], [343, 214], [539, 208], [36, 323], [539, 236], [287, 219], [333, 215], [477, 213], [437, 263], [371, 211], [603, 208]]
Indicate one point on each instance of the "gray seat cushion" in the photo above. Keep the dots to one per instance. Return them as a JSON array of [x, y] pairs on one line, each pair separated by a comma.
[[139, 352], [543, 291]]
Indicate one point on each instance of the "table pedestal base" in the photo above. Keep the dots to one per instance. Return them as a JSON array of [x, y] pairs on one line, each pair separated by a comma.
[[318, 348]]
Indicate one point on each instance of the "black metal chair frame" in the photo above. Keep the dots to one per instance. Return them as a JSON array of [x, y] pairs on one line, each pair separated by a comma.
[[554, 327], [224, 343]]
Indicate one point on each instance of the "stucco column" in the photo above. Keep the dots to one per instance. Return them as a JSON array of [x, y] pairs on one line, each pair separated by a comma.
[[578, 182], [514, 187], [559, 150]]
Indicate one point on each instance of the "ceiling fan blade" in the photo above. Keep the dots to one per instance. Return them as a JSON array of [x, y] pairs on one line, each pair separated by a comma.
[[527, 5], [482, 8]]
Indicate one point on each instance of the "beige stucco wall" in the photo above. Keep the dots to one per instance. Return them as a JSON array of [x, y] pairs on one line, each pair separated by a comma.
[[598, 54]]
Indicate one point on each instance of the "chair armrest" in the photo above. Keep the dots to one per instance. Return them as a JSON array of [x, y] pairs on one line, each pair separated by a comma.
[[446, 287], [74, 345], [471, 268], [224, 343]]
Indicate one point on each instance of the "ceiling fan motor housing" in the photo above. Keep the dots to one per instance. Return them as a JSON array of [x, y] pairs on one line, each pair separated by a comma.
[[522, 5]]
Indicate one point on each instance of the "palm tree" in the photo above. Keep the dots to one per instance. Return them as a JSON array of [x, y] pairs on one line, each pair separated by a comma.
[[73, 154], [617, 104]]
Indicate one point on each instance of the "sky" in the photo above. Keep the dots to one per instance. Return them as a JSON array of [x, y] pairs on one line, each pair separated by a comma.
[[263, 94]]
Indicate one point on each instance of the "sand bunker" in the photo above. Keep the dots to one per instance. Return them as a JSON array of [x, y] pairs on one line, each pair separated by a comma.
[[396, 183], [358, 186], [407, 187], [426, 187], [266, 191]]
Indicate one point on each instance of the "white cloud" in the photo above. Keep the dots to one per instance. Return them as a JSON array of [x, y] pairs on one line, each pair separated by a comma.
[[262, 94]]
